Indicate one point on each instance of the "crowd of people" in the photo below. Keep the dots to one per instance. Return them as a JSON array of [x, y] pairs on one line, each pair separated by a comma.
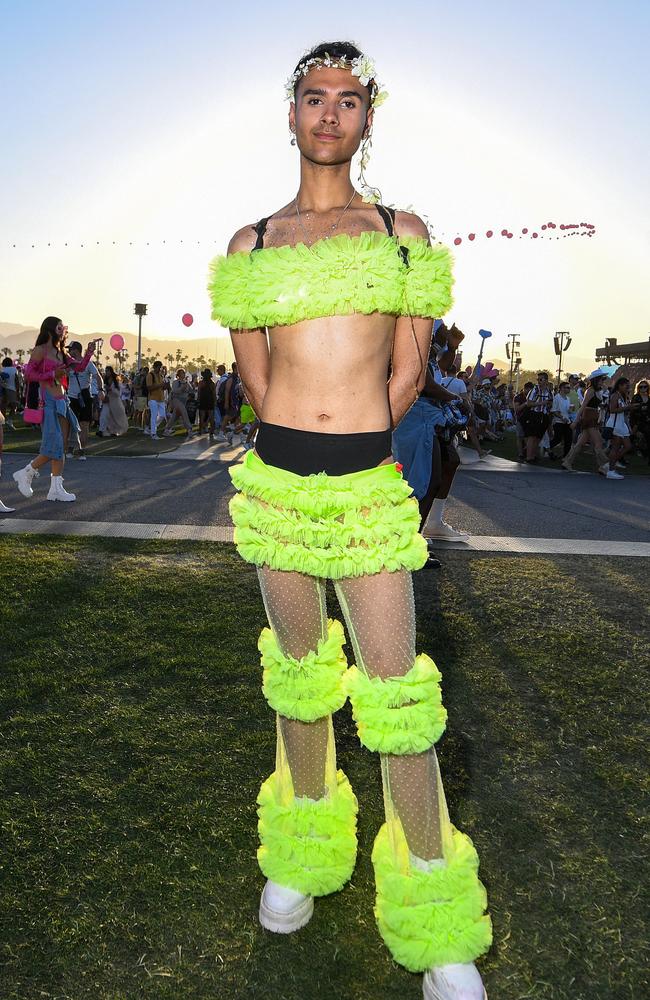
[[106, 402], [600, 414]]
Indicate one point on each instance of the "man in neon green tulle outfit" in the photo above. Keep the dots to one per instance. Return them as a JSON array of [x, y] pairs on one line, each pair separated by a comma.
[[325, 298]]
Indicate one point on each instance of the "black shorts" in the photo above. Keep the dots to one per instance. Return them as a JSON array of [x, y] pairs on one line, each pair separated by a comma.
[[82, 408], [307, 453]]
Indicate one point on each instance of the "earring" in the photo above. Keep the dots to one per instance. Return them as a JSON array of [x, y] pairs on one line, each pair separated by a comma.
[[293, 137]]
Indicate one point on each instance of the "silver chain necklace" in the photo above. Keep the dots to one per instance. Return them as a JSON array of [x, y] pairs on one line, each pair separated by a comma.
[[332, 228]]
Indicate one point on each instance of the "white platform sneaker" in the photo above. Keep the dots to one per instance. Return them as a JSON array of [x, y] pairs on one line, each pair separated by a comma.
[[23, 479], [284, 910], [453, 982], [57, 492], [442, 530]]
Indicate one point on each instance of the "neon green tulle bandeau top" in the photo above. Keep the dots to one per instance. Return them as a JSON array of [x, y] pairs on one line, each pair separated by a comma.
[[372, 272]]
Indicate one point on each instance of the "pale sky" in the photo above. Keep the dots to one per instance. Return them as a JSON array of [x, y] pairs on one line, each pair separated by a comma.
[[133, 123]]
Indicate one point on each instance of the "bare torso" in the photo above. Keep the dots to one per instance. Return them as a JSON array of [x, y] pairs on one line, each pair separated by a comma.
[[328, 374]]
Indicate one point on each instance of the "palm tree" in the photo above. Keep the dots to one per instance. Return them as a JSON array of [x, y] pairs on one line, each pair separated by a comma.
[[169, 358], [179, 355], [20, 354], [6, 351]]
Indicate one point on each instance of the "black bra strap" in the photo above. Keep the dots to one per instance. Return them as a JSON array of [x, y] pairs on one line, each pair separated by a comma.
[[388, 215], [260, 229]]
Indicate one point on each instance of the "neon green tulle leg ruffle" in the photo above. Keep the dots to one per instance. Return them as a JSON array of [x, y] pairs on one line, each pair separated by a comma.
[[431, 918], [308, 845]]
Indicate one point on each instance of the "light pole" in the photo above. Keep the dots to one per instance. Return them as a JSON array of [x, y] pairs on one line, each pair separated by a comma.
[[140, 311], [561, 343], [511, 352]]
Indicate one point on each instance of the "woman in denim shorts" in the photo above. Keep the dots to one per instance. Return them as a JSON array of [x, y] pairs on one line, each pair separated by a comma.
[[50, 365]]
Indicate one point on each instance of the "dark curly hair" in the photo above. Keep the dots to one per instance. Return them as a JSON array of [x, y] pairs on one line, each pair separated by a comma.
[[337, 50]]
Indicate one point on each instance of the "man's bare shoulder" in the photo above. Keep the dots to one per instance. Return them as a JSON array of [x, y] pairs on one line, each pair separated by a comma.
[[410, 224], [244, 240]]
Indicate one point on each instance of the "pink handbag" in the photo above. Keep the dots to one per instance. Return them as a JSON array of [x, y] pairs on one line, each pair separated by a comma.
[[33, 414]]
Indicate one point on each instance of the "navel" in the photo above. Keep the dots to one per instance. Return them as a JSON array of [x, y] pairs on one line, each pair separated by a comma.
[[323, 416]]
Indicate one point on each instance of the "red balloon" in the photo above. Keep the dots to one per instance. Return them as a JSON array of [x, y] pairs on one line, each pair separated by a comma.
[[524, 231], [457, 241], [188, 319], [504, 232], [117, 341], [471, 236], [489, 233]]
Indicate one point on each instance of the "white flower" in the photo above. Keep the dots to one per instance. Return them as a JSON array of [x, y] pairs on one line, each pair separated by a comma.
[[370, 196], [364, 68], [380, 98]]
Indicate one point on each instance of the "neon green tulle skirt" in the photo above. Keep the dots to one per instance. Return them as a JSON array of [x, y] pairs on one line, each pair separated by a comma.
[[326, 526]]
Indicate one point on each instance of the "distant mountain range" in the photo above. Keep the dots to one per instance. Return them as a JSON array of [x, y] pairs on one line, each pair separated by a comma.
[[219, 349]]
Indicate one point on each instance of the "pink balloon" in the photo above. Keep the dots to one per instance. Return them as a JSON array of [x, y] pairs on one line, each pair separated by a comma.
[[117, 342], [188, 319]]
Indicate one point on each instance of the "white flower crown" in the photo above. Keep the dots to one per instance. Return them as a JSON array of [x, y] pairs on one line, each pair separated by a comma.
[[362, 66]]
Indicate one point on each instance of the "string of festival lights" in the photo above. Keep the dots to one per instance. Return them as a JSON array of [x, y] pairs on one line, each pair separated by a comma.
[[548, 230]]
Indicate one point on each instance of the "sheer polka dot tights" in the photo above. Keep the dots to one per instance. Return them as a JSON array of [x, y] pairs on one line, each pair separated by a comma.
[[380, 617]]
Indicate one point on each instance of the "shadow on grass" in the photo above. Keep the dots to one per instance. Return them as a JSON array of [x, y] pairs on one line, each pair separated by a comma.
[[136, 736]]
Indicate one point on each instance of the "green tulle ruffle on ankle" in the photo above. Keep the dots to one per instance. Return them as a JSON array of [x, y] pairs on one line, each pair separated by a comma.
[[431, 918], [308, 845]]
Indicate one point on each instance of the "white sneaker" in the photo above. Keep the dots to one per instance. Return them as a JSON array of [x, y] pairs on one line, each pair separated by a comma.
[[219, 436], [453, 982], [443, 530], [57, 492], [154, 437], [284, 910], [4, 509], [23, 479], [613, 475]]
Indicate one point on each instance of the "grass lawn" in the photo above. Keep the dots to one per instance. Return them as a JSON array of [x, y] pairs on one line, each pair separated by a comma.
[[135, 736], [27, 438], [585, 462]]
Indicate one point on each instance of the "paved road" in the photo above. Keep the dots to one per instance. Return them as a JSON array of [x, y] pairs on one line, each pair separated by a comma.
[[495, 498]]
